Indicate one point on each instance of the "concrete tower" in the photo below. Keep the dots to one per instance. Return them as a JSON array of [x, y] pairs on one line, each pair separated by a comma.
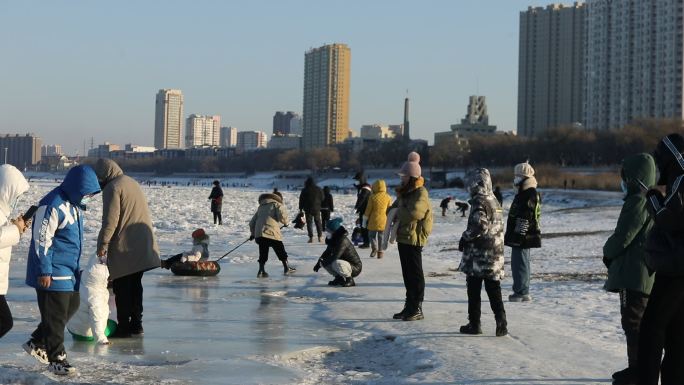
[[407, 133]]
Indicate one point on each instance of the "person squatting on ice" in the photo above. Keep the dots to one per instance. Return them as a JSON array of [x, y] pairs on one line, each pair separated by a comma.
[[375, 217], [310, 200], [523, 230], [327, 207], [12, 186], [264, 227], [92, 315], [216, 198], [483, 255], [339, 258], [199, 251], [127, 241], [52, 268], [661, 326], [623, 255], [414, 225]]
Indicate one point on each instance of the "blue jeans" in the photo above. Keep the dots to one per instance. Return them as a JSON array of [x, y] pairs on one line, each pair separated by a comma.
[[520, 270]]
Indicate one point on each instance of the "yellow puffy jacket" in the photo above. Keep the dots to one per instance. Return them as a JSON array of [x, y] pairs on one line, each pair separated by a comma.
[[378, 203]]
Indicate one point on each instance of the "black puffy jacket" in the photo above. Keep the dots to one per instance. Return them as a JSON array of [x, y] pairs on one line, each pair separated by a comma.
[[340, 247], [311, 198], [522, 227]]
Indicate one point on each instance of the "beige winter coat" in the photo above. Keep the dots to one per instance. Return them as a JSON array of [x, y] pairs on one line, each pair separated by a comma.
[[126, 232], [270, 215]]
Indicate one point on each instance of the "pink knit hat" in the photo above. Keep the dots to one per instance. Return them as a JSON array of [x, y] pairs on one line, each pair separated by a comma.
[[412, 166]]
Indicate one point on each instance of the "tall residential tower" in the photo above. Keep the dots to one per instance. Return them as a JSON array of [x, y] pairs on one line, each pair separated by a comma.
[[326, 95], [168, 119]]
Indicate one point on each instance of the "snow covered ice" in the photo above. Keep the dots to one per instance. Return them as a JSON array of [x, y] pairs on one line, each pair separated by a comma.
[[237, 329]]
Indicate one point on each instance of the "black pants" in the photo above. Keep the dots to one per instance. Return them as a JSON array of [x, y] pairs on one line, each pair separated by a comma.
[[217, 217], [129, 301], [493, 289], [325, 217], [632, 307], [662, 328], [310, 220], [411, 258], [56, 308], [277, 246], [6, 322], [364, 232]]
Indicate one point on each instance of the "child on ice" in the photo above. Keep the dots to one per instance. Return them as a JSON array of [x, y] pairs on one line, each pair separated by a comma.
[[265, 228], [339, 258], [90, 321], [199, 251]]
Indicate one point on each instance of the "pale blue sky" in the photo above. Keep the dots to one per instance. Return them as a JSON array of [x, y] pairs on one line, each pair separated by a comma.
[[70, 70]]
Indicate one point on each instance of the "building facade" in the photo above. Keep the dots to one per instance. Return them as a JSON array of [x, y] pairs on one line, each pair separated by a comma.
[[168, 119], [551, 67], [633, 61], [285, 122], [476, 122], [201, 130], [228, 137], [103, 150], [326, 95], [51, 150], [251, 140], [285, 142], [377, 132], [21, 151]]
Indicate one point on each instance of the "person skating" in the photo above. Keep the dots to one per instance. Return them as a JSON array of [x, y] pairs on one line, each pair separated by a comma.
[[623, 255], [327, 207], [12, 186], [216, 198], [661, 326], [414, 225], [375, 217], [264, 228], [52, 268], [363, 192], [444, 205], [310, 200], [339, 258], [92, 315], [523, 230], [483, 258], [199, 251]]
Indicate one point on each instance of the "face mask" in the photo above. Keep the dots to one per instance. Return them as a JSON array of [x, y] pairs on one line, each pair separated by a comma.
[[517, 180], [86, 199], [623, 186]]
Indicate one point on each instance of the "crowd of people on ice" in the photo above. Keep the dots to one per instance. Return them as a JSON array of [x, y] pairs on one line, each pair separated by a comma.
[[643, 255]]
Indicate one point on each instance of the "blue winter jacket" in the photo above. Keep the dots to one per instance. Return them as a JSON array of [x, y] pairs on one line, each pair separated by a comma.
[[56, 242]]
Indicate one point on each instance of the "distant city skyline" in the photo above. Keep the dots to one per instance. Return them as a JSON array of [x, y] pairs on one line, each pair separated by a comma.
[[76, 73]]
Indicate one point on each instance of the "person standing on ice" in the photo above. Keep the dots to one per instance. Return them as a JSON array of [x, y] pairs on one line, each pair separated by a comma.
[[363, 192], [127, 240], [623, 255], [375, 217], [12, 186], [327, 207], [414, 225], [310, 200], [444, 205], [340, 258], [523, 230], [663, 320], [216, 198], [52, 267], [483, 255], [264, 227]]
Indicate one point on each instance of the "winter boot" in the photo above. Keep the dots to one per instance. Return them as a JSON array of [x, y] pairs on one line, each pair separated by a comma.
[[310, 240], [414, 313], [349, 282], [287, 269], [62, 368], [519, 298], [262, 272], [165, 265], [471, 328], [380, 254], [501, 328], [36, 351], [400, 315], [373, 253], [320, 239], [625, 377], [338, 281]]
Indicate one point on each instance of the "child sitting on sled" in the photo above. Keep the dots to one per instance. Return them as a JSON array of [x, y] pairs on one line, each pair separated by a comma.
[[199, 251]]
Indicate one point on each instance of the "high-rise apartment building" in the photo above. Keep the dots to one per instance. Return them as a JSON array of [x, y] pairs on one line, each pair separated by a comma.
[[551, 67], [283, 122], [51, 150], [168, 119], [633, 61], [202, 130], [251, 140], [228, 137], [20, 151], [326, 95]]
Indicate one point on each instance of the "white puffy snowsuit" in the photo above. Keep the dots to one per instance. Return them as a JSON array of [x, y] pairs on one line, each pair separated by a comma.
[[91, 318]]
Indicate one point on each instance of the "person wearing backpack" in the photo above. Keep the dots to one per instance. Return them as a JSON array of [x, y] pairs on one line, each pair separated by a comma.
[[414, 217]]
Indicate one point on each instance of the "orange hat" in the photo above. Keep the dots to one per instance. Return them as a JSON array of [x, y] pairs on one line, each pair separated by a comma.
[[199, 233]]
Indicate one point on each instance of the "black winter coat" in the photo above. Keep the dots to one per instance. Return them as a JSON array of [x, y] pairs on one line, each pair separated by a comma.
[[216, 198], [665, 244], [364, 192], [327, 203], [522, 228], [311, 198], [340, 247]]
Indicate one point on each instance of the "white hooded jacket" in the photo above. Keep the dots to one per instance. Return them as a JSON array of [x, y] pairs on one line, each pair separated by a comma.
[[12, 185], [91, 318]]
